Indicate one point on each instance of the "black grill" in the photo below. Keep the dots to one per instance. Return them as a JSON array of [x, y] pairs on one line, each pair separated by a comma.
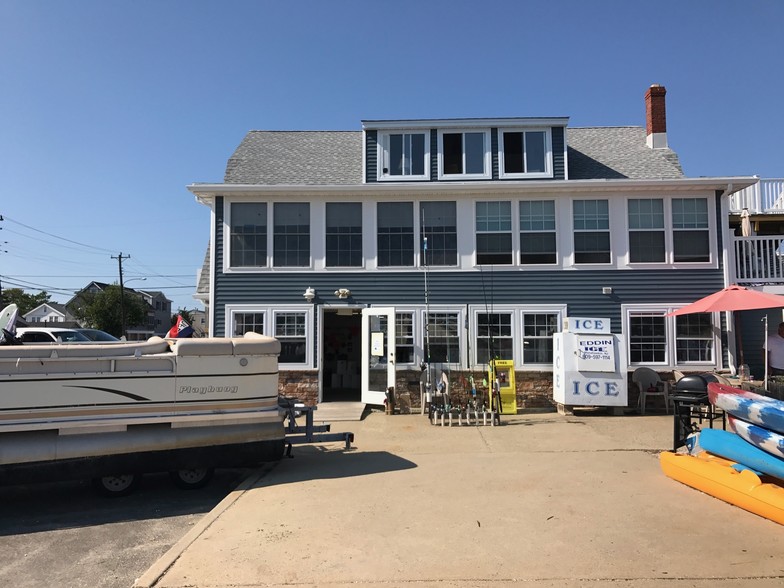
[[690, 403]]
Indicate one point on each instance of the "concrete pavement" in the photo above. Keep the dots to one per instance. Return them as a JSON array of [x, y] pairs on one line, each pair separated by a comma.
[[546, 499]]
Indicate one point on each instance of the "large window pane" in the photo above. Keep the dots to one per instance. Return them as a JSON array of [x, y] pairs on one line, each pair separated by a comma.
[[248, 234], [442, 337], [591, 220], [292, 234], [493, 337], [513, 153], [439, 233], [690, 230], [452, 153], [647, 338], [404, 337], [406, 154], [395, 238], [535, 152], [344, 234], [475, 153], [290, 331], [694, 338], [494, 232], [538, 329], [537, 232], [248, 322], [646, 230]]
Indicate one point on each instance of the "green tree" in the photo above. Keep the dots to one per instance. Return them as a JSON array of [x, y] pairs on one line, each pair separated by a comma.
[[101, 310], [185, 314], [25, 302]]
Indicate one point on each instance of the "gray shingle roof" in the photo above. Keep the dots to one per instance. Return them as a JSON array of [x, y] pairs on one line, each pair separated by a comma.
[[335, 157], [617, 152], [297, 157]]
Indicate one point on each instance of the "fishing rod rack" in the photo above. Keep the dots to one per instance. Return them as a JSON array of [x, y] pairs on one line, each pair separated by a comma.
[[473, 413]]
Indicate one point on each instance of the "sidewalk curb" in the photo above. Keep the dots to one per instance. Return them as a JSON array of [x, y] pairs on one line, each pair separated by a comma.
[[157, 570]]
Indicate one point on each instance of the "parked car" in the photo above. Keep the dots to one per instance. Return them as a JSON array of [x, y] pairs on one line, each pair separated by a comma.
[[98, 335], [50, 335]]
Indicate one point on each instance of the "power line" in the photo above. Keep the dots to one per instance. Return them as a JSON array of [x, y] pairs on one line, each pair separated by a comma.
[[55, 236]]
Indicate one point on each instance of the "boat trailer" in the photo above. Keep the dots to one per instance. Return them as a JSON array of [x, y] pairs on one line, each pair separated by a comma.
[[310, 432]]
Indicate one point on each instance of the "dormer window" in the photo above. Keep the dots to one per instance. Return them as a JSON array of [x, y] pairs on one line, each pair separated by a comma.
[[526, 154], [464, 154], [403, 155]]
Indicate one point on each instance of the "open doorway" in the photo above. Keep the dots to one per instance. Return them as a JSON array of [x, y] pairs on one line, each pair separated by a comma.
[[342, 353]]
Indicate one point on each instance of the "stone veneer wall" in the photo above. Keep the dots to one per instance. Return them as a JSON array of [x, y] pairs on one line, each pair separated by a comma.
[[534, 389]]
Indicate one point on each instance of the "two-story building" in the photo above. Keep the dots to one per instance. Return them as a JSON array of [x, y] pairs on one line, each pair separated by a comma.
[[370, 252], [158, 316]]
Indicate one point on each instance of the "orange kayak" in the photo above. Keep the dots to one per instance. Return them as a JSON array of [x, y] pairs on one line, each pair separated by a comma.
[[717, 476]]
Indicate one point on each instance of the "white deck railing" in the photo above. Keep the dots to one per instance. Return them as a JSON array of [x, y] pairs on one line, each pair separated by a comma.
[[764, 196], [757, 260]]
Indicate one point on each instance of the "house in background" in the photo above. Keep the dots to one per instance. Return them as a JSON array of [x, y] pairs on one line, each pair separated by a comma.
[[758, 257], [50, 312], [199, 323], [455, 241], [157, 321]]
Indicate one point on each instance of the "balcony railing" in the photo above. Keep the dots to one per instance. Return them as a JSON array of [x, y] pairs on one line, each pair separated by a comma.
[[764, 196], [758, 260]]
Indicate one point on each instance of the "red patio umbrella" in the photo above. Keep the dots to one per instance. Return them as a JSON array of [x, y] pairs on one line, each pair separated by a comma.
[[730, 299]]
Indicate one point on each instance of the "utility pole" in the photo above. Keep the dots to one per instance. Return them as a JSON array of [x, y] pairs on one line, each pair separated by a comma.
[[119, 259]]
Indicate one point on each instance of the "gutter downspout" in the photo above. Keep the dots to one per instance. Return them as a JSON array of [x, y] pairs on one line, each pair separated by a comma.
[[729, 271]]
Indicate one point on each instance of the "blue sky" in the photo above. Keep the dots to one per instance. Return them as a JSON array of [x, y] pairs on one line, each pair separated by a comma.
[[109, 109]]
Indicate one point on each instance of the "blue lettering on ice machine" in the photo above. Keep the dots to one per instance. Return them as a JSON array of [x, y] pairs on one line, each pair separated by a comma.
[[589, 364]]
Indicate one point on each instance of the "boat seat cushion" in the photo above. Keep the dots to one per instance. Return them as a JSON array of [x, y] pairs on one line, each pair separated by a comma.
[[191, 347], [255, 344]]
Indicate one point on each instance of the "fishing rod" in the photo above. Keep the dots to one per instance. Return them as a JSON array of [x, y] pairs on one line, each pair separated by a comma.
[[428, 380]]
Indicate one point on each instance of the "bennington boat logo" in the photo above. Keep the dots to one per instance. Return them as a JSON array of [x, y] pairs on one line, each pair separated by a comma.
[[209, 389]]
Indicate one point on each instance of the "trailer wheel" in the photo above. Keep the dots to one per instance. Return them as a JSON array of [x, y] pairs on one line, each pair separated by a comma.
[[119, 485], [191, 479]]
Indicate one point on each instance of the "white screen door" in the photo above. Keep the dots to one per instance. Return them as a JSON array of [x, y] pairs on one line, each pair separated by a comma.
[[378, 353]]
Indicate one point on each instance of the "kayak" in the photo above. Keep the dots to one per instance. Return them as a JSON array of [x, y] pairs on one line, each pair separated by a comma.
[[765, 439], [753, 408], [717, 476], [731, 446]]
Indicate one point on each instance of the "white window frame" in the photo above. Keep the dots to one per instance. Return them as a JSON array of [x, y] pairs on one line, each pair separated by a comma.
[[518, 232], [514, 253], [383, 156], [308, 332], [671, 360], [559, 311], [488, 171], [460, 312], [270, 311], [663, 230], [510, 310], [227, 249], [708, 230], [620, 234], [548, 153], [609, 231]]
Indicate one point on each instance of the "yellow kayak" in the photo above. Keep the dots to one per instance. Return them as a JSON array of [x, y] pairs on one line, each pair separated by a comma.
[[716, 476]]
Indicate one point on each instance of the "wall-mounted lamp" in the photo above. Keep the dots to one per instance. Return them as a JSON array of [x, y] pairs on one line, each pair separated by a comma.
[[607, 290], [309, 294], [343, 293]]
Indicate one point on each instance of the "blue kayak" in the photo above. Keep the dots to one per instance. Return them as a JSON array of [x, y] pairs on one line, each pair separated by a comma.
[[753, 408], [733, 447]]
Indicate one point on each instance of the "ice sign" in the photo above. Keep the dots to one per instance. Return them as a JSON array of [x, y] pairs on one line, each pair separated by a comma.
[[596, 353]]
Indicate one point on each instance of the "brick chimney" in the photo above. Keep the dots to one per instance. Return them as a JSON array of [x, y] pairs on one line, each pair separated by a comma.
[[656, 117]]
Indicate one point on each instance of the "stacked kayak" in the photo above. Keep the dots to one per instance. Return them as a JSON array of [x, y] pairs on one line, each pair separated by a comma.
[[743, 466]]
